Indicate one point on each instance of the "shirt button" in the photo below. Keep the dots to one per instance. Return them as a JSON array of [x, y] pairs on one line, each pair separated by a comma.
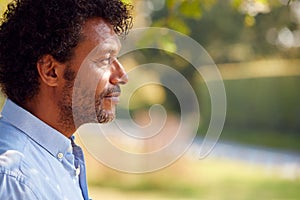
[[77, 172], [60, 155], [70, 149]]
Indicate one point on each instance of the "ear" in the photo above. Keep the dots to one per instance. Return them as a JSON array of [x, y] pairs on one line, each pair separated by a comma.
[[49, 70]]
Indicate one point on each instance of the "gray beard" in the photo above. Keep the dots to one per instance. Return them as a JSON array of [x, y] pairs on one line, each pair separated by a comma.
[[103, 117], [82, 110]]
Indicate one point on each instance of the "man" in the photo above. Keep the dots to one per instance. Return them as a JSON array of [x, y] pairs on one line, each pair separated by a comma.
[[50, 51]]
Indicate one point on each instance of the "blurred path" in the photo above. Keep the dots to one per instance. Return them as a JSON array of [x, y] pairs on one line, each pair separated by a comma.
[[287, 163]]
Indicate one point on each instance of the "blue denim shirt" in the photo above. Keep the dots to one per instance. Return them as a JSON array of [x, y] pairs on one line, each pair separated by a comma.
[[36, 161]]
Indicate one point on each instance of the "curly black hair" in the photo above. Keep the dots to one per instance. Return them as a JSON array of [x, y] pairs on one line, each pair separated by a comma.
[[33, 28]]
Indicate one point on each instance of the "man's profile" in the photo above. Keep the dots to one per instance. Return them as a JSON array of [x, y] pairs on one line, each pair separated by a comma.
[[42, 47]]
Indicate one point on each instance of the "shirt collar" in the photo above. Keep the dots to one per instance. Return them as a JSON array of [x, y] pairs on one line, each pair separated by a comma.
[[47, 137]]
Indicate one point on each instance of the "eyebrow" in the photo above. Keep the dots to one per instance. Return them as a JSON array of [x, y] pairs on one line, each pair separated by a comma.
[[109, 48]]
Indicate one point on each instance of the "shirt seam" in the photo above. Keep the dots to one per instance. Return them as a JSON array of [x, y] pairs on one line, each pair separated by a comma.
[[23, 150], [20, 178]]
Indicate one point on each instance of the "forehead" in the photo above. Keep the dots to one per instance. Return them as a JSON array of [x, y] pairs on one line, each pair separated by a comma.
[[100, 33]]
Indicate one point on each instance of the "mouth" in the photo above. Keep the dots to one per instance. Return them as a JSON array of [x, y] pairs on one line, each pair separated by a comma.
[[114, 97]]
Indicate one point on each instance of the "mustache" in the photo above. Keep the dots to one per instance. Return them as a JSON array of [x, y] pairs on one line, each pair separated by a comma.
[[110, 90]]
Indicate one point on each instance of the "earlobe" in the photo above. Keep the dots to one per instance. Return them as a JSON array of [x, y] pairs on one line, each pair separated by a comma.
[[47, 68]]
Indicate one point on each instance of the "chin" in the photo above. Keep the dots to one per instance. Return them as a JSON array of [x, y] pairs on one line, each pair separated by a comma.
[[105, 116]]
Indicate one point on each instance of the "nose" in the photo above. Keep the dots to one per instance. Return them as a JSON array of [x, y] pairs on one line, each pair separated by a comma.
[[118, 73]]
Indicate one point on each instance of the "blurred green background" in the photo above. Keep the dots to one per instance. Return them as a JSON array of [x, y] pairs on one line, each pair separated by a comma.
[[255, 44]]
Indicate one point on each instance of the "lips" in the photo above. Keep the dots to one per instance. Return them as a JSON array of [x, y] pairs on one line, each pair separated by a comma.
[[114, 94], [114, 97]]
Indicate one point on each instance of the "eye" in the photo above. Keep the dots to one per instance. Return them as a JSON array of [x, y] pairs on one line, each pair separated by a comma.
[[104, 62]]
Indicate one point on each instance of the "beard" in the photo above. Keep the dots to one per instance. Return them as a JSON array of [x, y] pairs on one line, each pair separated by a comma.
[[103, 115], [86, 106]]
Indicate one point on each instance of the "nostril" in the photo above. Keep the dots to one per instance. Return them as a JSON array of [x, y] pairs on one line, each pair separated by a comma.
[[119, 78], [124, 79]]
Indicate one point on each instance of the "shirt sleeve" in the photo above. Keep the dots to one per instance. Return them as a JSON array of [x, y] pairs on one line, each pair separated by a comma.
[[14, 188]]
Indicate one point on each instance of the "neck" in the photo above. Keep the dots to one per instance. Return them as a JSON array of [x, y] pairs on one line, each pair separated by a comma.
[[47, 110]]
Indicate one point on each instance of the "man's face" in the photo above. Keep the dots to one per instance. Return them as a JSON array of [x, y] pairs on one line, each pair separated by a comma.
[[92, 78]]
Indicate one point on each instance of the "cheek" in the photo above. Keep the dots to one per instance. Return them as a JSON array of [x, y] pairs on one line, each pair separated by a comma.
[[102, 81]]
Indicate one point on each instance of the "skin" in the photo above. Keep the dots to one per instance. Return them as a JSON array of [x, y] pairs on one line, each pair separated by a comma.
[[85, 89]]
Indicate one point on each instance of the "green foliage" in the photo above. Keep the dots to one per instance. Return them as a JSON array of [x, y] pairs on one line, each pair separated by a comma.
[[178, 24], [228, 32], [178, 11], [262, 112], [191, 9], [175, 13], [264, 104], [127, 1], [174, 23], [171, 4]]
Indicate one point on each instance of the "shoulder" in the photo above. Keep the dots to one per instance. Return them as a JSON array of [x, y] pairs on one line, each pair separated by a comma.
[[13, 186], [11, 138], [12, 144]]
